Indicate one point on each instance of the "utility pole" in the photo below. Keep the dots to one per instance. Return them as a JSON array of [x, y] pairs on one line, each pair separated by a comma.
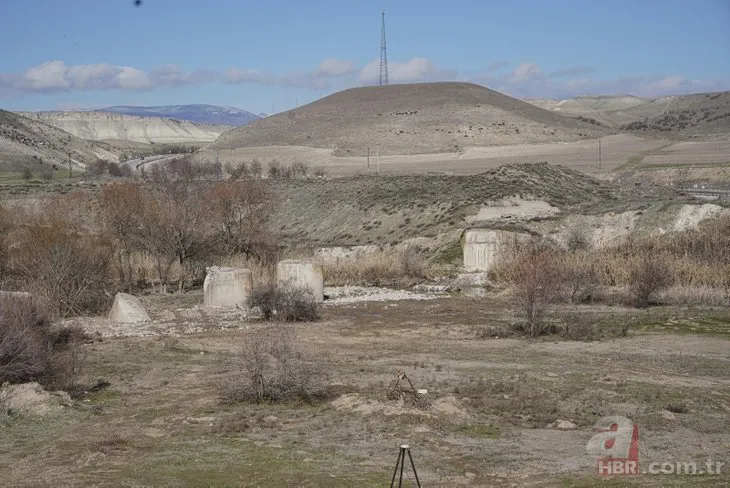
[[69, 165], [368, 159], [377, 157]]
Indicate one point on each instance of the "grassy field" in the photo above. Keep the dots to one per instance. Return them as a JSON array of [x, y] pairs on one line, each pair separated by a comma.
[[162, 421]]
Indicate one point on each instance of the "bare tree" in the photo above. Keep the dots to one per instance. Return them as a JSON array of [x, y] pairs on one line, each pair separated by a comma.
[[240, 211]]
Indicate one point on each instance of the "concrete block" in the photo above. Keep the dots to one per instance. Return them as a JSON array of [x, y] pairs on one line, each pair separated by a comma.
[[227, 287], [482, 246], [128, 309], [301, 274]]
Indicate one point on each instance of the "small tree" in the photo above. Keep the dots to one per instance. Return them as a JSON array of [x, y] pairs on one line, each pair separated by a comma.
[[27, 174], [239, 212]]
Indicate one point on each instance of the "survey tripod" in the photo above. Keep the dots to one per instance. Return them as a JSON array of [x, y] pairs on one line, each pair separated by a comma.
[[404, 449]]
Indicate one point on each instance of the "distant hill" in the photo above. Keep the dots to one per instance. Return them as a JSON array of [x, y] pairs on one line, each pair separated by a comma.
[[696, 116], [410, 119], [700, 115], [29, 141], [101, 126], [587, 104], [200, 114]]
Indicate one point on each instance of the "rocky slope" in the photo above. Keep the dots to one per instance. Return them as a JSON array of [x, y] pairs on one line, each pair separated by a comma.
[[100, 126], [26, 140]]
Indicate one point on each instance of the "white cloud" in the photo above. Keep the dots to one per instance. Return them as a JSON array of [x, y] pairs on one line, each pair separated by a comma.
[[525, 72], [528, 80], [672, 82], [319, 78], [417, 69], [56, 76], [332, 67]]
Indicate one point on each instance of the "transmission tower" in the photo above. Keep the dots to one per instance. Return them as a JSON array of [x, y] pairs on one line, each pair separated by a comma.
[[383, 54]]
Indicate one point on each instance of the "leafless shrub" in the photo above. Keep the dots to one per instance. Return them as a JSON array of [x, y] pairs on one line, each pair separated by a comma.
[[115, 170], [256, 168], [27, 174], [320, 173], [64, 265], [578, 240], [287, 303], [270, 369], [578, 280], [98, 167], [237, 171], [25, 341], [275, 169], [299, 169], [646, 278], [287, 171], [30, 350], [46, 174], [5, 226], [535, 282]]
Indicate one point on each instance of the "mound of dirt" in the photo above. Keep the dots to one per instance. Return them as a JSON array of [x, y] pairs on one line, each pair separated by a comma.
[[410, 119], [30, 399], [30, 142]]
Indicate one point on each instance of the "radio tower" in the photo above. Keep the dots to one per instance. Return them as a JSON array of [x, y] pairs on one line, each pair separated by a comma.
[[383, 55]]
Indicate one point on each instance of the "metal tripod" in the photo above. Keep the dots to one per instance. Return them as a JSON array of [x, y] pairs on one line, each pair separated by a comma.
[[404, 448]]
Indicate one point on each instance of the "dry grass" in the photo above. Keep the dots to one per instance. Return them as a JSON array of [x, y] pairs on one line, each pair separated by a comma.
[[683, 268], [389, 265]]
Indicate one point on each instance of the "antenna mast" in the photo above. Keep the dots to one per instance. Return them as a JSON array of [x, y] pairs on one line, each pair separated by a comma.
[[383, 54]]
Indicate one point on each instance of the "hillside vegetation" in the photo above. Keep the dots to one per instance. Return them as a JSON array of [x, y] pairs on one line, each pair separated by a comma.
[[386, 209], [695, 116]]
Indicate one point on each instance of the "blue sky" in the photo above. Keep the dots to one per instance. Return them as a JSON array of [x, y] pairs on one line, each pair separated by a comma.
[[272, 54]]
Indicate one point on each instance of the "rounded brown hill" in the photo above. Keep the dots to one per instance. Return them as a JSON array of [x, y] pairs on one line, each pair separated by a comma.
[[410, 119]]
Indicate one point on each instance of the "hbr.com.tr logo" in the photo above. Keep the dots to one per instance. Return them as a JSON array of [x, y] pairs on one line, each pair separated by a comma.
[[616, 445]]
